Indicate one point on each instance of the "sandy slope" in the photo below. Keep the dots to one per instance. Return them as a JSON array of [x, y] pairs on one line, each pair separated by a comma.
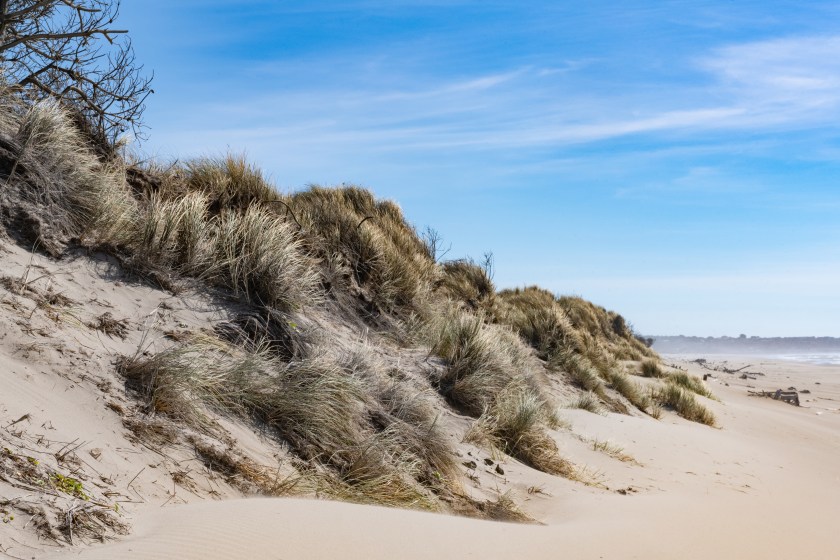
[[766, 485]]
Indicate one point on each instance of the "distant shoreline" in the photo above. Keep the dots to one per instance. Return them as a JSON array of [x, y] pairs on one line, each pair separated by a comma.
[[776, 347]]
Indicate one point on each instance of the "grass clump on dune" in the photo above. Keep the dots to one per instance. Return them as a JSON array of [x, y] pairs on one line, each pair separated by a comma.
[[53, 168], [651, 368], [690, 382], [372, 438], [516, 424], [625, 386], [254, 253], [481, 359], [683, 402], [371, 239], [466, 281], [588, 402]]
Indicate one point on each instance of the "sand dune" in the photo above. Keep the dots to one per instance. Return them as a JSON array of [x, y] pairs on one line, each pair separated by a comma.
[[765, 485]]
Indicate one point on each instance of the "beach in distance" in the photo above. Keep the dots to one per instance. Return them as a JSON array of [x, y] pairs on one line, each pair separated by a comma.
[[765, 484]]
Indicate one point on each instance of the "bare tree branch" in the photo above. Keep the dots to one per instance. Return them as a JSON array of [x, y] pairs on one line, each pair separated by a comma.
[[68, 50]]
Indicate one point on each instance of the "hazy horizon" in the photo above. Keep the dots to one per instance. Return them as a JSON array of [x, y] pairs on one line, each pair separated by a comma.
[[673, 162]]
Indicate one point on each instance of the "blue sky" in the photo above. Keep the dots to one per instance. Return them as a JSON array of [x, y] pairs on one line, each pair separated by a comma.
[[676, 161]]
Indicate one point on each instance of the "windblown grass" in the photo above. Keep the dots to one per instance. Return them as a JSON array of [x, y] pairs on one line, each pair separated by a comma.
[[76, 190], [377, 440], [372, 239], [481, 359], [254, 253], [622, 383], [690, 382], [613, 450], [683, 402], [516, 424], [465, 281], [588, 402], [651, 368], [581, 372]]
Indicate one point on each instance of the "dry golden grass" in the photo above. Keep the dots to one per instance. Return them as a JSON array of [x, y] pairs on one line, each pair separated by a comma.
[[691, 383], [467, 282], [377, 439], [588, 402], [622, 383], [683, 402], [78, 192], [516, 424], [651, 368], [371, 239], [482, 359]]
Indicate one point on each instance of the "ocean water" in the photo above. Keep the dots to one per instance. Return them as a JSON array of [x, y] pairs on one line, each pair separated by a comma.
[[824, 358]]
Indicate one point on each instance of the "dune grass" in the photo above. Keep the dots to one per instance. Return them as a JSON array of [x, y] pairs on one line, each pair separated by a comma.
[[516, 424], [691, 383], [683, 402], [481, 359], [372, 437], [382, 251], [467, 282], [366, 436], [588, 402], [651, 368], [77, 191], [630, 390]]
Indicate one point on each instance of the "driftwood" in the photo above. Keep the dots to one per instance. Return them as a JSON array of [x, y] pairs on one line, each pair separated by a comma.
[[721, 368], [790, 397]]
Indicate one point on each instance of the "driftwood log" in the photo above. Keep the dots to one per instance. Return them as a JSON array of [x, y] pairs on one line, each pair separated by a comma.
[[790, 397]]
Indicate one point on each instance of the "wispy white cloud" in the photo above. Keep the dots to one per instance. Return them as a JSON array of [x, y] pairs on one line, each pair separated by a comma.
[[791, 78]]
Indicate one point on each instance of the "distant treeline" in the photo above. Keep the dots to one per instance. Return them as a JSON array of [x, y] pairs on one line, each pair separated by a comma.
[[744, 345]]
